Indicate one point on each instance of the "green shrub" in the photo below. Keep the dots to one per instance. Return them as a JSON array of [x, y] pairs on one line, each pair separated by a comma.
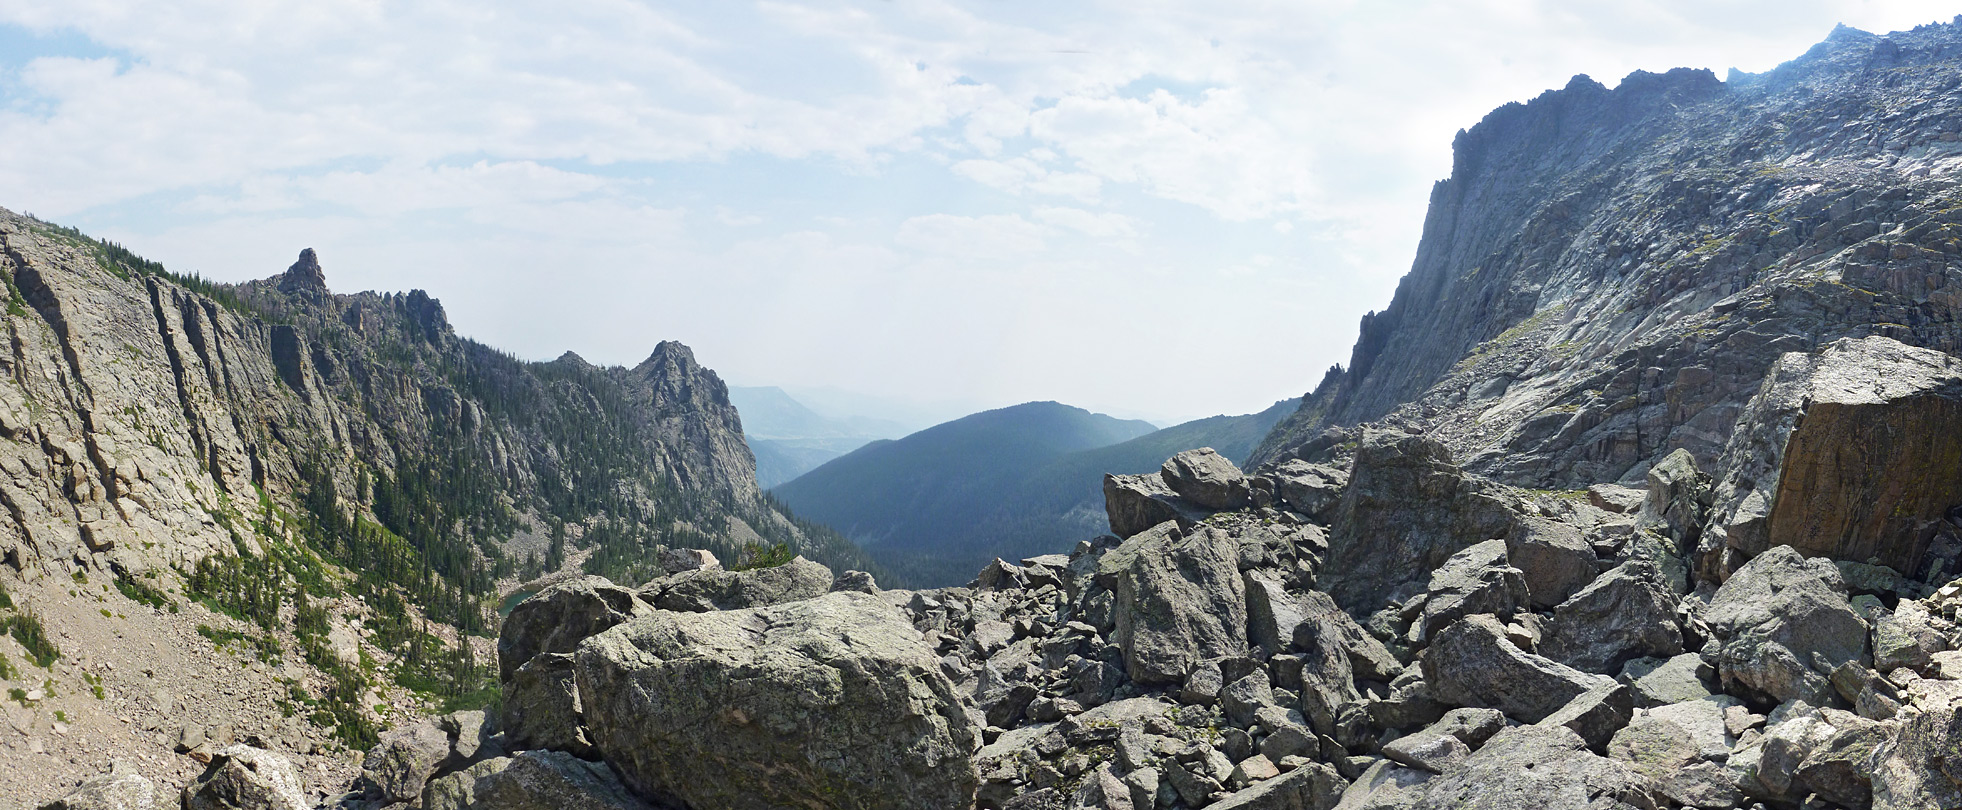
[[754, 556], [26, 628]]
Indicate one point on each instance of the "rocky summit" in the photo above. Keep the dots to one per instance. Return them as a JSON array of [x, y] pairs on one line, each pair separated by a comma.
[[1644, 492]]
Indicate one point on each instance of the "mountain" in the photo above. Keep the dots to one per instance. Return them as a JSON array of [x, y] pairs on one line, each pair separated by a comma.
[[1644, 491], [1027, 507], [1607, 274], [337, 485], [789, 439], [913, 498]]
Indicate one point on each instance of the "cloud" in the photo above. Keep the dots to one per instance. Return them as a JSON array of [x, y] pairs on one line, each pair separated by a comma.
[[985, 237], [1101, 225]]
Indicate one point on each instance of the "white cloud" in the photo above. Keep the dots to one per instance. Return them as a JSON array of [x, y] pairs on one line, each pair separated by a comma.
[[1104, 225], [985, 237]]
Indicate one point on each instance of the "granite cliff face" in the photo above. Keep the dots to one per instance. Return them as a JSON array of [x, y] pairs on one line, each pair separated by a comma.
[[1607, 274]]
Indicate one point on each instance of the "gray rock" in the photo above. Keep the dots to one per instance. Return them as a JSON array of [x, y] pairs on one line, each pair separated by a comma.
[[557, 618], [1272, 612], [1597, 714], [1654, 746], [1795, 731], [707, 589], [1624, 614], [122, 788], [1472, 664], [1917, 767], [1406, 510], [1477, 579], [1436, 753], [1135, 503], [1538, 768], [1178, 600], [1659, 681], [1311, 489], [838, 697], [404, 759], [1840, 770], [1315, 786], [1678, 499], [1616, 498], [1241, 699], [1778, 618], [1325, 626], [1704, 720], [1206, 478], [677, 560], [1789, 478], [1555, 559], [532, 780], [856, 581], [241, 777], [1704, 785], [1906, 637], [541, 707], [1385, 786]]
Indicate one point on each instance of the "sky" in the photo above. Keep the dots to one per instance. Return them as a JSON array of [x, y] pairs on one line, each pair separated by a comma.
[[1162, 210]]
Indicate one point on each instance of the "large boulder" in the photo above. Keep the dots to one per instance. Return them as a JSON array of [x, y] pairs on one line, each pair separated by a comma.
[[1541, 768], [1624, 614], [532, 780], [835, 701], [1314, 786], [1853, 452], [1406, 510], [1554, 557], [1477, 579], [1178, 599], [1134, 503], [705, 589], [557, 618], [122, 788], [541, 707], [241, 777], [404, 759], [1785, 624], [1473, 664], [1311, 489], [1206, 478]]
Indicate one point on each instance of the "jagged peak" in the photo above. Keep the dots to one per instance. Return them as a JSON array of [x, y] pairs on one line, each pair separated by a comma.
[[572, 358], [670, 352], [305, 275]]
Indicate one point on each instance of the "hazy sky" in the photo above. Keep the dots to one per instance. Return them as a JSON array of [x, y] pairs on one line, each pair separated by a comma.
[[1159, 209]]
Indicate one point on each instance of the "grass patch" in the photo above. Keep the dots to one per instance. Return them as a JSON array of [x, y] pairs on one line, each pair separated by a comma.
[[26, 628], [754, 556]]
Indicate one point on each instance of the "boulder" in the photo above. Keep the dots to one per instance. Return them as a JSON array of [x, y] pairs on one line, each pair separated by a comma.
[[541, 707], [677, 560], [1906, 637], [1597, 714], [1206, 478], [706, 589], [1310, 489], [1406, 510], [404, 759], [1852, 452], [557, 618], [1622, 615], [1660, 681], [838, 698], [241, 777], [1917, 767], [1704, 720], [1326, 624], [1178, 599], [1477, 579], [122, 788], [1134, 503], [1472, 664], [1839, 770], [1314, 786], [1678, 500], [1436, 753], [1542, 769], [1555, 559], [1784, 624], [1655, 746], [532, 780], [1385, 786], [1272, 612]]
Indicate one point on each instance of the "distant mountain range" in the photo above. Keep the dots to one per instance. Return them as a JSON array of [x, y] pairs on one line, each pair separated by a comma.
[[1014, 482], [789, 438]]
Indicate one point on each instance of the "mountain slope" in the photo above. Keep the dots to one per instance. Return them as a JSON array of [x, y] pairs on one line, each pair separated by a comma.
[[1011, 511], [338, 486], [914, 496], [1607, 274]]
